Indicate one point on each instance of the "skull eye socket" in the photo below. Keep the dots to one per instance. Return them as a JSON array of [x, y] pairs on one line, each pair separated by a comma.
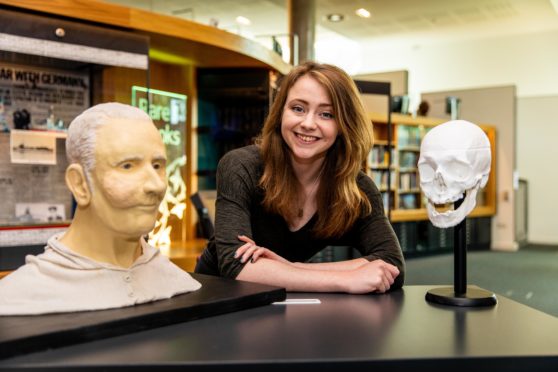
[[459, 171], [427, 173]]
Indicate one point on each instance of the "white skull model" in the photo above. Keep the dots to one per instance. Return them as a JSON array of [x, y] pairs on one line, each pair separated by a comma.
[[454, 162]]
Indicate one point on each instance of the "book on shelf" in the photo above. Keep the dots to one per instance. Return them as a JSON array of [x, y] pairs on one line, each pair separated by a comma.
[[380, 178], [408, 136], [408, 201], [386, 200], [408, 181], [377, 176], [408, 159], [378, 156]]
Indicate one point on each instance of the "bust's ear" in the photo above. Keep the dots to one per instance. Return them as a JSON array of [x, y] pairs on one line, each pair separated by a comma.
[[77, 183]]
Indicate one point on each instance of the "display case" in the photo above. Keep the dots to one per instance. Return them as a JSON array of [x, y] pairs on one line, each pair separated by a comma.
[[51, 69], [232, 107]]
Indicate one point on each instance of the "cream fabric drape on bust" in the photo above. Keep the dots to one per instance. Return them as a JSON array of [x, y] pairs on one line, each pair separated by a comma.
[[59, 280]]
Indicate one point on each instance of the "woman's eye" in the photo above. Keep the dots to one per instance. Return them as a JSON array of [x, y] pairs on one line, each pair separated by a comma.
[[127, 166], [327, 115], [298, 109], [157, 166]]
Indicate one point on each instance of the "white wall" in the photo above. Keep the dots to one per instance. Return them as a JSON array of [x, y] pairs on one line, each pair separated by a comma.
[[530, 63], [537, 144]]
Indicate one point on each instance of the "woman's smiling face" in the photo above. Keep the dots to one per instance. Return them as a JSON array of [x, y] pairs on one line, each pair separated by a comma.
[[308, 124]]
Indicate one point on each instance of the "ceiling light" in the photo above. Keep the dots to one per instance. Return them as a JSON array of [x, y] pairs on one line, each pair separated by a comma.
[[243, 21], [335, 17], [362, 13]]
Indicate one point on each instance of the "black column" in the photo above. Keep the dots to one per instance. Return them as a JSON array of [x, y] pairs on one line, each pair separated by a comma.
[[302, 23]]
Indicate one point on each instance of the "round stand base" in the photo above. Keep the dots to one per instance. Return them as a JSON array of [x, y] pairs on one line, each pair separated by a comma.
[[472, 297]]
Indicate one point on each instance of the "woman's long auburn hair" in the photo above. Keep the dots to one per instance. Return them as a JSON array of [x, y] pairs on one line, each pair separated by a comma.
[[339, 200]]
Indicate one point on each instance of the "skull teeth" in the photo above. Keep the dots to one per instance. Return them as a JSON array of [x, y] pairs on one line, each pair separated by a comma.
[[434, 210], [451, 217], [443, 205], [450, 200]]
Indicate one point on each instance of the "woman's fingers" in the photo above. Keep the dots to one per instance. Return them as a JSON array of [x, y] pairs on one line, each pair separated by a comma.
[[246, 239], [240, 250], [251, 251], [258, 253], [389, 273], [245, 251], [394, 270], [387, 284], [248, 253], [389, 276]]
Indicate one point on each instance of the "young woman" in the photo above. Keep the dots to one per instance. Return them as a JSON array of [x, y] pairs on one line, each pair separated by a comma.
[[300, 189]]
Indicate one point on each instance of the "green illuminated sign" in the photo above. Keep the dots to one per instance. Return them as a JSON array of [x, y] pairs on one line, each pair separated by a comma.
[[167, 110]]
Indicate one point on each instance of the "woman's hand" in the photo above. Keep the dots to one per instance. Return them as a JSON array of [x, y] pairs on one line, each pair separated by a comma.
[[374, 276], [251, 251]]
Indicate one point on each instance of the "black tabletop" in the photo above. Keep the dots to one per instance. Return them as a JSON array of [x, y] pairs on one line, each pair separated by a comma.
[[396, 331], [25, 334]]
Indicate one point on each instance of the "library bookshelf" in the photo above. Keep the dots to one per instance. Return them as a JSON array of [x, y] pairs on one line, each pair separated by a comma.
[[405, 197]]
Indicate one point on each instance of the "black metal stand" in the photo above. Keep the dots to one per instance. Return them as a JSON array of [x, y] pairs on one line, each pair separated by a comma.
[[460, 294]]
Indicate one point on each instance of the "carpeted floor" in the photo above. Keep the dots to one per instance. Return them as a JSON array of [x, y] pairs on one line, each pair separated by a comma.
[[528, 276]]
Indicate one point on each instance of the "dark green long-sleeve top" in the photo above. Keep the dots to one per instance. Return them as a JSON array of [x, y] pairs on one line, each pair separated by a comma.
[[239, 211]]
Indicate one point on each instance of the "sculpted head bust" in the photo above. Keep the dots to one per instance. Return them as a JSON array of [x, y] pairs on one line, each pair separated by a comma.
[[117, 176]]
